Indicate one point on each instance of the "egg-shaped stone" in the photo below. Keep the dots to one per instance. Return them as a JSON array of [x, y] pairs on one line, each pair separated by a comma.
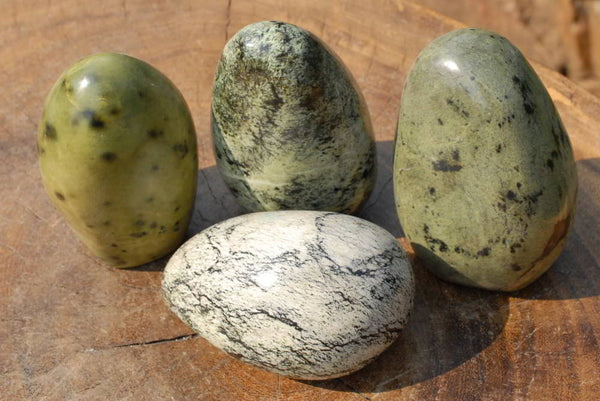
[[305, 294], [290, 127], [117, 154], [484, 174]]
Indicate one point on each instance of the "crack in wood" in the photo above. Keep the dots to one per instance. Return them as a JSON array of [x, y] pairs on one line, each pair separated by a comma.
[[144, 343], [161, 341]]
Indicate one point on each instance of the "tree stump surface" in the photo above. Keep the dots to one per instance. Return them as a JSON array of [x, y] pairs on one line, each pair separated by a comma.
[[73, 328]]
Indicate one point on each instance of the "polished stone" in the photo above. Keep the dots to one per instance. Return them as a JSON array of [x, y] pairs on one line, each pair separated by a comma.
[[309, 295], [484, 175], [290, 127], [117, 154]]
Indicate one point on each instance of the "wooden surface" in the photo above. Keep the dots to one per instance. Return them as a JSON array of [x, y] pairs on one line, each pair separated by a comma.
[[72, 328]]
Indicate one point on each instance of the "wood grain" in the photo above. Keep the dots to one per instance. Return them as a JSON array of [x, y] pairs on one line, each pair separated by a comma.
[[72, 328]]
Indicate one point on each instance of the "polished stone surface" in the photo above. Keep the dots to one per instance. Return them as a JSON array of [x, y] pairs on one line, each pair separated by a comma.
[[290, 127], [484, 175], [309, 295], [117, 154]]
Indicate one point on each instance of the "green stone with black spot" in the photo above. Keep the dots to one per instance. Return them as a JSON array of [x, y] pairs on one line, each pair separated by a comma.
[[484, 174], [290, 127], [104, 133]]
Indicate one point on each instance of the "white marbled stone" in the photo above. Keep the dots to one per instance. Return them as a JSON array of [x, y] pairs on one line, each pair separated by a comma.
[[308, 295]]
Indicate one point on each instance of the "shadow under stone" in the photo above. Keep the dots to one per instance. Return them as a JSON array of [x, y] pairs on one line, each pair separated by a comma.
[[380, 207], [214, 201]]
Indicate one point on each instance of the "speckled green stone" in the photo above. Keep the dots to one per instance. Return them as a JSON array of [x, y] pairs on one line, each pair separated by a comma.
[[484, 175], [117, 153], [290, 127]]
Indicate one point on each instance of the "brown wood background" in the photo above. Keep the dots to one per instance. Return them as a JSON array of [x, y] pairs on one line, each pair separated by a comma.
[[73, 328]]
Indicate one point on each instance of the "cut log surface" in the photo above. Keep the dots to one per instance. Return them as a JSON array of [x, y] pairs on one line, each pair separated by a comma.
[[74, 328]]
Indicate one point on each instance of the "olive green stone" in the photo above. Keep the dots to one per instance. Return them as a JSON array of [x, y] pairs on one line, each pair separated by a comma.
[[290, 127], [484, 174], [117, 154]]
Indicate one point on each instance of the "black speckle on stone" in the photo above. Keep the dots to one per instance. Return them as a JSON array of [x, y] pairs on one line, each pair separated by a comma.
[[456, 155], [502, 206], [533, 198], [516, 267], [443, 165], [550, 164], [117, 259], [138, 234], [177, 208], [457, 249], [432, 191], [525, 91], [181, 149], [108, 156], [510, 195], [514, 247], [440, 122], [554, 154], [529, 108], [484, 252], [59, 196], [114, 245], [140, 223], [443, 246], [457, 107], [425, 228], [519, 185], [94, 120], [106, 223], [50, 132], [499, 148], [141, 94], [68, 87], [114, 111], [472, 78], [154, 167], [155, 133]]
